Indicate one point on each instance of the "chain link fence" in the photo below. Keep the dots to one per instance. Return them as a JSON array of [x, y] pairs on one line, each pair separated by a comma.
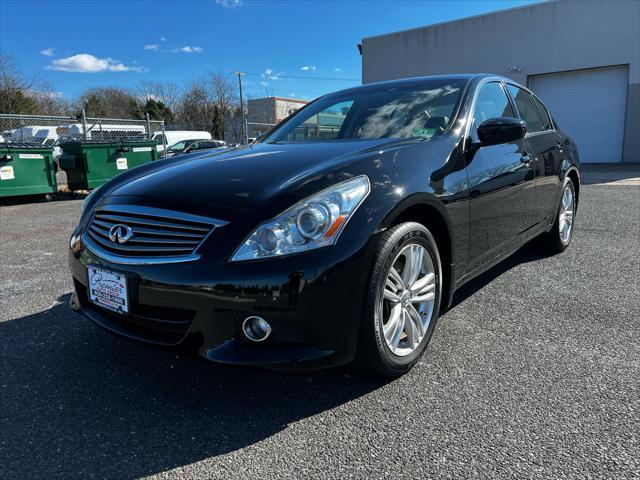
[[50, 130]]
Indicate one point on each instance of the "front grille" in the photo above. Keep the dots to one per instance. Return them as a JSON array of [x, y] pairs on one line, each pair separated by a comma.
[[157, 235], [164, 325]]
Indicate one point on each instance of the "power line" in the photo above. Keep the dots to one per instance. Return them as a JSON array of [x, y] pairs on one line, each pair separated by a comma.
[[275, 76], [289, 90]]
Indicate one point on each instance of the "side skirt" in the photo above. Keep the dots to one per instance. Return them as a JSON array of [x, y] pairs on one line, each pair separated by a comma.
[[540, 229]]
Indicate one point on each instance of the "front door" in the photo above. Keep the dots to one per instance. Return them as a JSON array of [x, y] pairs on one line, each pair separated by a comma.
[[501, 184]]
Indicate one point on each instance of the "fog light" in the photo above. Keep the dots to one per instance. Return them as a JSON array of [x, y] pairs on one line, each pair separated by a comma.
[[256, 329]]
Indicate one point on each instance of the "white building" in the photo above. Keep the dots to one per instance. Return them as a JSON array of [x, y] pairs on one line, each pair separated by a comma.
[[582, 58]]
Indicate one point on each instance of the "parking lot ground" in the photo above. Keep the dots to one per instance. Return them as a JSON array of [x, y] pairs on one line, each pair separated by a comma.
[[533, 373]]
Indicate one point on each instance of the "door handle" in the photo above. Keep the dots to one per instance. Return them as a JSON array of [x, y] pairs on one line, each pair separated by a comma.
[[526, 158]]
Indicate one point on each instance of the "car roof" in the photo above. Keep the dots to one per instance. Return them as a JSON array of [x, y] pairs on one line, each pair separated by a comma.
[[415, 81]]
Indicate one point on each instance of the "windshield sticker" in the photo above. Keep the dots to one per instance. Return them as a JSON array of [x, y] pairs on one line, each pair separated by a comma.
[[423, 132]]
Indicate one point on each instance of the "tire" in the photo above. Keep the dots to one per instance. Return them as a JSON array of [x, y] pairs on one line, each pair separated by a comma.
[[376, 351], [555, 241]]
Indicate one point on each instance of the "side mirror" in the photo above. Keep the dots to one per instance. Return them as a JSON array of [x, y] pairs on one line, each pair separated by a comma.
[[501, 130]]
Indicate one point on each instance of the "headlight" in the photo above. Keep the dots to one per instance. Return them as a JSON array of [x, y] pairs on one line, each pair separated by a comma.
[[312, 223]]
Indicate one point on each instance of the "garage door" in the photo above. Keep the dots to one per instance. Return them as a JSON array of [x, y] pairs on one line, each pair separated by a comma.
[[590, 106]]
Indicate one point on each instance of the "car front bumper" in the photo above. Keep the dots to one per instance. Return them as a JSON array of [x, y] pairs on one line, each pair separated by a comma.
[[313, 301]]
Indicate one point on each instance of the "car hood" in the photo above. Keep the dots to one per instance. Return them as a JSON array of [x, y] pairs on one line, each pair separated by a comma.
[[239, 181]]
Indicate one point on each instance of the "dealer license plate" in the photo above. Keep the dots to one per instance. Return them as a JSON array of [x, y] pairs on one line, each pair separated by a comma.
[[108, 289]]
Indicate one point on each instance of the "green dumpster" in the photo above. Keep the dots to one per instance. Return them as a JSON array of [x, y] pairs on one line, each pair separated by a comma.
[[89, 164], [26, 169]]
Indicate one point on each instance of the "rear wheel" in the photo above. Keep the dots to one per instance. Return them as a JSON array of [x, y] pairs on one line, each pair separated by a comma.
[[559, 238], [403, 300]]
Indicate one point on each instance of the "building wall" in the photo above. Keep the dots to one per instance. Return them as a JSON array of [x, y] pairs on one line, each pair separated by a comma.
[[548, 37], [286, 106], [263, 113]]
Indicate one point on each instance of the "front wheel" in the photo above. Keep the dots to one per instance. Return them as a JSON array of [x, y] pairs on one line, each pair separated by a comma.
[[559, 238], [403, 300]]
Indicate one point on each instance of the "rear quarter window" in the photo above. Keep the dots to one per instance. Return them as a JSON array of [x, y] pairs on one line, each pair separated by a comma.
[[546, 120]]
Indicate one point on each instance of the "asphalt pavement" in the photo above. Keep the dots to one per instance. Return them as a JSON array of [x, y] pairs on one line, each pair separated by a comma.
[[534, 373]]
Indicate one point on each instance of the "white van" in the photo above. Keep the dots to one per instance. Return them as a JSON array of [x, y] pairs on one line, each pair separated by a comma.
[[42, 134], [98, 131], [171, 137]]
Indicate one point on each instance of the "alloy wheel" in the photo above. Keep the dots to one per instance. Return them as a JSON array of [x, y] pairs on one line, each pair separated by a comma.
[[565, 222], [408, 299]]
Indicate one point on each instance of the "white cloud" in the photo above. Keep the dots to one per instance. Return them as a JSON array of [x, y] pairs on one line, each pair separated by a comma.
[[338, 70], [189, 49], [307, 68], [271, 74], [48, 52], [163, 39], [86, 63], [229, 3], [153, 47], [264, 84]]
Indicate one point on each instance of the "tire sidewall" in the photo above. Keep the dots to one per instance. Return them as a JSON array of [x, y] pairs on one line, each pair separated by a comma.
[[403, 235], [567, 183]]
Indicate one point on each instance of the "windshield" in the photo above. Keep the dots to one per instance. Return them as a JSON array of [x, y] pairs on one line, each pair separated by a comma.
[[419, 111], [178, 147]]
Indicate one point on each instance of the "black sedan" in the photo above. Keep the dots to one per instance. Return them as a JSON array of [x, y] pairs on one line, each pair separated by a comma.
[[192, 146], [338, 237]]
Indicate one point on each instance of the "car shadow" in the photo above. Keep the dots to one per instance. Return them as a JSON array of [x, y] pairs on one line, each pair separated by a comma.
[[530, 252], [77, 402]]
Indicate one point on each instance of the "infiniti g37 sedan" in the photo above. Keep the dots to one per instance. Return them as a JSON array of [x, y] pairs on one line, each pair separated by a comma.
[[340, 236]]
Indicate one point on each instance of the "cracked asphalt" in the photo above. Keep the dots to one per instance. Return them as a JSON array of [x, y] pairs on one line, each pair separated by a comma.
[[534, 373]]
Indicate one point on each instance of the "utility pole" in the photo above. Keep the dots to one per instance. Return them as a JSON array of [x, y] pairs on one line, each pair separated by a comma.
[[242, 129]]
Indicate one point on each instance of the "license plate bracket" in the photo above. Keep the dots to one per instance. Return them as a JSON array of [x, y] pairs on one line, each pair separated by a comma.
[[108, 289]]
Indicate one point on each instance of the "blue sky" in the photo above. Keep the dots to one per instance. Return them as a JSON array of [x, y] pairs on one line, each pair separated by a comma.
[[288, 48]]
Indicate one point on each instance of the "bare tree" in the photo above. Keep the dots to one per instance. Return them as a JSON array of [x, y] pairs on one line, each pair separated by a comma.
[[211, 103], [224, 92], [27, 94], [196, 109], [166, 92], [15, 88], [109, 102]]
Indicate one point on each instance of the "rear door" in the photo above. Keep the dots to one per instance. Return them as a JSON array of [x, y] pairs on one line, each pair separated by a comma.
[[501, 184], [545, 151]]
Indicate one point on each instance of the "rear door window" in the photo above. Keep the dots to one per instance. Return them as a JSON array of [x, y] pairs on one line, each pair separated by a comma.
[[527, 109]]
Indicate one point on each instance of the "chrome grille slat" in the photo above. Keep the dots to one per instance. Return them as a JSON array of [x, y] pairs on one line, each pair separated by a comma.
[[159, 236], [136, 248], [151, 231], [144, 221], [136, 239]]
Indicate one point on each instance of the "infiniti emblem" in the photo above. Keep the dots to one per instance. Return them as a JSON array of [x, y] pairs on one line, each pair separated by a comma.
[[120, 233]]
